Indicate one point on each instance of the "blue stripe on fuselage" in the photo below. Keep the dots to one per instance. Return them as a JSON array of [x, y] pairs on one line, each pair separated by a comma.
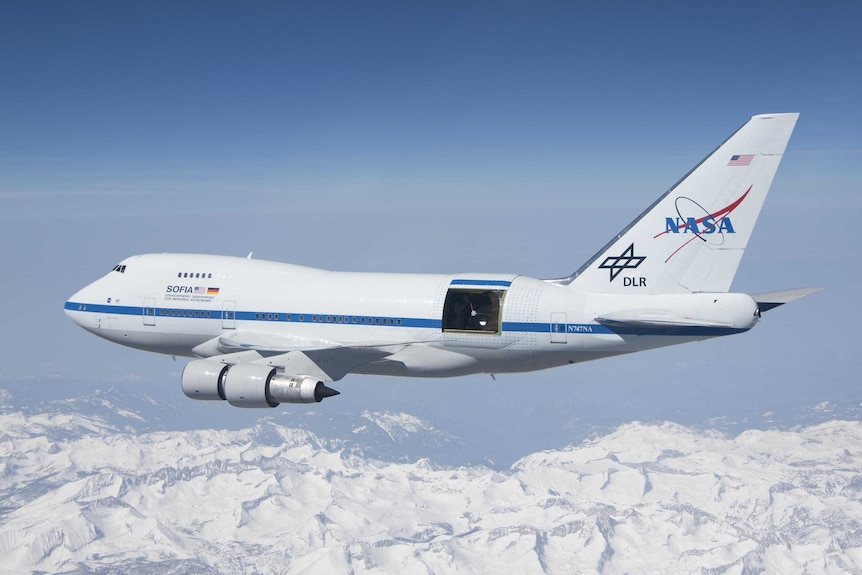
[[386, 321]]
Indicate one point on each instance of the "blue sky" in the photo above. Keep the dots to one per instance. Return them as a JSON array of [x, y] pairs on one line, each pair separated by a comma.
[[202, 97], [408, 137]]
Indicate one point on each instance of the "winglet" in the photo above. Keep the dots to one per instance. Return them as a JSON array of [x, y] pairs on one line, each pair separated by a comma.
[[773, 299]]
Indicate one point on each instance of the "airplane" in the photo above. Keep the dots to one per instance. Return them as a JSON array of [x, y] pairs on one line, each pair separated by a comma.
[[264, 333]]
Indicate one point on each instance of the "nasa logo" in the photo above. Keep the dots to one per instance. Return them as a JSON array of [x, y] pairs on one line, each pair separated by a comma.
[[711, 227], [707, 225]]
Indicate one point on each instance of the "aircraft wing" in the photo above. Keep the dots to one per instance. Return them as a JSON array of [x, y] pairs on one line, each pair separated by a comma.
[[329, 364], [325, 360]]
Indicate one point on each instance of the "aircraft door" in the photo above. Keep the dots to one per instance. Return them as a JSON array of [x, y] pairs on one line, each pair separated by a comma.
[[149, 311], [228, 315], [558, 327]]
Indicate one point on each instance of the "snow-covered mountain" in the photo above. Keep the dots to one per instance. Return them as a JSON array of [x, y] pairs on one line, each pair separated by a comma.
[[86, 494], [459, 422]]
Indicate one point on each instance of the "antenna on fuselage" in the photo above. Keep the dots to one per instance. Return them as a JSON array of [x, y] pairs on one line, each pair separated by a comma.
[[248, 257]]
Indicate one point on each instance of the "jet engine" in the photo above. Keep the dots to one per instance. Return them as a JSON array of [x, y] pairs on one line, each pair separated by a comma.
[[250, 384]]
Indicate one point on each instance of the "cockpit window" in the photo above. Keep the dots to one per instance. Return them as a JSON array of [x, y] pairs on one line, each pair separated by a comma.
[[119, 268]]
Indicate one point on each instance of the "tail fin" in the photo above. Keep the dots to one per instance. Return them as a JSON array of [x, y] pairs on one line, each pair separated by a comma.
[[692, 238]]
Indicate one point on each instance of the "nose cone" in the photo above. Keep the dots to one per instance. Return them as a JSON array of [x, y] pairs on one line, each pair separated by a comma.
[[80, 307], [69, 307], [74, 307]]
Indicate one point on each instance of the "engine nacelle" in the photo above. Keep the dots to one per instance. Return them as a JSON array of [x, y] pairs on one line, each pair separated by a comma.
[[298, 389], [256, 385], [204, 379], [247, 385]]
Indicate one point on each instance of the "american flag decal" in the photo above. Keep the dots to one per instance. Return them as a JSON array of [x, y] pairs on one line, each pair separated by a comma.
[[740, 159], [200, 290]]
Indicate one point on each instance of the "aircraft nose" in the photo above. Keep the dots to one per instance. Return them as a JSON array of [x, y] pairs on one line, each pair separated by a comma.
[[74, 307], [78, 306]]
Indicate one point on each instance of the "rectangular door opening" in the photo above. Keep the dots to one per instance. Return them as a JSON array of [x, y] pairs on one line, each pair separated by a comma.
[[473, 310]]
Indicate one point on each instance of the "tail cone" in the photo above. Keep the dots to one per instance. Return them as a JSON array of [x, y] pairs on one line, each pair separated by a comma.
[[321, 391]]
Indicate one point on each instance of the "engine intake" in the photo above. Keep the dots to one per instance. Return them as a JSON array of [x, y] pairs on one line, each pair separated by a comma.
[[204, 379]]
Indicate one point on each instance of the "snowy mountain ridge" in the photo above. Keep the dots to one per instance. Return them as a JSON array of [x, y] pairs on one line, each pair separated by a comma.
[[272, 499]]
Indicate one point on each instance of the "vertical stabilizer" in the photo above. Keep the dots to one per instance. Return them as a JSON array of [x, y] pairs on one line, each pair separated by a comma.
[[692, 238]]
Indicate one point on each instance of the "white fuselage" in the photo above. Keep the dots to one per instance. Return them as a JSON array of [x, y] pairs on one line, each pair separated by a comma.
[[268, 333], [435, 325]]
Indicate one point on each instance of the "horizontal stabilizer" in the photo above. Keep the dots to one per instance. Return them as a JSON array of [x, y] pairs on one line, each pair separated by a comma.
[[770, 300], [655, 323], [681, 314], [670, 324]]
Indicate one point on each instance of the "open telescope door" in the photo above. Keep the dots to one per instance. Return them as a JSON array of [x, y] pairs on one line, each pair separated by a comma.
[[471, 310]]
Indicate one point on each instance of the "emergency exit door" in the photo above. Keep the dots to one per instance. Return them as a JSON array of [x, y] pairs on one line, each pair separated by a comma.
[[558, 327]]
